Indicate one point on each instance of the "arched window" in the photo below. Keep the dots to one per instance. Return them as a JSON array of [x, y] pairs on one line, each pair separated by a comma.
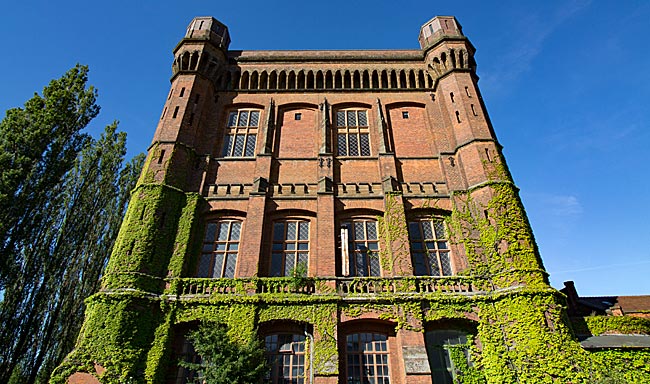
[[353, 137], [363, 248], [367, 358], [241, 133], [220, 249], [286, 358], [429, 248], [440, 345], [290, 247]]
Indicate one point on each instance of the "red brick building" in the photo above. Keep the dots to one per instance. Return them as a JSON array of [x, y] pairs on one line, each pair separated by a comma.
[[351, 208]]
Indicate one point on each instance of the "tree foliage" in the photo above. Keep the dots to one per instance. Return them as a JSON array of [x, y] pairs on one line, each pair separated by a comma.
[[224, 361], [62, 198]]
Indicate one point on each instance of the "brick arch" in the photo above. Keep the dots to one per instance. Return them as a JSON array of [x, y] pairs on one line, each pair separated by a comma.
[[273, 80], [264, 78], [296, 105], [281, 324], [292, 213], [351, 104], [244, 80], [242, 105]]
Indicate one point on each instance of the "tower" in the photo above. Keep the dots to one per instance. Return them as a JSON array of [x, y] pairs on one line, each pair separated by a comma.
[[351, 208]]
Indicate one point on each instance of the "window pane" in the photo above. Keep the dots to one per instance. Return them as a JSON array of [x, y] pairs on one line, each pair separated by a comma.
[[372, 230], [255, 118], [374, 265], [419, 266], [235, 231], [445, 263], [364, 143], [359, 233], [210, 231], [414, 231], [303, 258], [361, 264], [278, 231], [230, 265], [223, 231], [303, 246], [243, 119], [204, 266], [250, 145], [218, 265], [238, 149], [289, 263], [342, 144], [304, 231], [232, 119], [227, 145], [426, 229], [440, 229], [353, 144], [276, 264], [363, 119], [433, 264], [352, 119], [291, 230], [340, 119]]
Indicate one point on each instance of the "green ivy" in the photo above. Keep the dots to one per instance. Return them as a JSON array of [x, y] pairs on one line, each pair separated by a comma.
[[522, 332]]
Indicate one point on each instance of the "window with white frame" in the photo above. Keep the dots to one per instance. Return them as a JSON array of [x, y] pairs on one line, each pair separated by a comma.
[[367, 358], [352, 133], [429, 248], [220, 249], [290, 246], [363, 247], [241, 133], [286, 358]]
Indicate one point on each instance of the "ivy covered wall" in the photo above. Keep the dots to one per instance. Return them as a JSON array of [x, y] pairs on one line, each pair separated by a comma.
[[522, 332]]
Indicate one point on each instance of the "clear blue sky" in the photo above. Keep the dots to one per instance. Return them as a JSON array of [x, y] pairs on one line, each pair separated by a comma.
[[566, 84]]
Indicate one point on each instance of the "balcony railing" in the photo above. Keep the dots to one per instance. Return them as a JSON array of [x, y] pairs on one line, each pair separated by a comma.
[[341, 286]]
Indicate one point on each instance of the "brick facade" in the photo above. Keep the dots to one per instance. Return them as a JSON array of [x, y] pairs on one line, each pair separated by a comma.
[[282, 156]]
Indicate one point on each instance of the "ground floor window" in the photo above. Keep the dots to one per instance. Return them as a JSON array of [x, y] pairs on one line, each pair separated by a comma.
[[440, 348], [187, 353], [367, 358], [286, 358]]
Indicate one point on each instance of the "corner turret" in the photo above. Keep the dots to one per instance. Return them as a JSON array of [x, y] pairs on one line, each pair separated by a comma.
[[203, 49], [209, 28], [438, 27]]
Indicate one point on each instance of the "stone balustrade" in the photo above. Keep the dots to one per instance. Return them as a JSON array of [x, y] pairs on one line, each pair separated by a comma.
[[338, 286]]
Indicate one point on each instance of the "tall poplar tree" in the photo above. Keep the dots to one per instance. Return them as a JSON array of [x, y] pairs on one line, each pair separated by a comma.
[[62, 198]]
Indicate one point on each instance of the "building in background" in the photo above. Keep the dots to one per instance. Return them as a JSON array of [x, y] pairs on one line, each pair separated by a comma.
[[352, 209]]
